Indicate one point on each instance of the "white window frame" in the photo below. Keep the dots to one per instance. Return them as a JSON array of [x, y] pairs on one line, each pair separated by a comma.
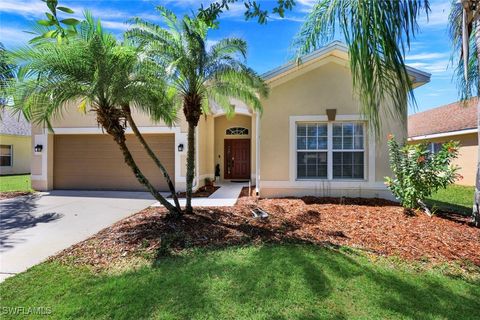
[[332, 150], [369, 150], [11, 155], [306, 150]]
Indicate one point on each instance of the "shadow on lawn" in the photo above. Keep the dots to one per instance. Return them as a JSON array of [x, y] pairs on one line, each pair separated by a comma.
[[280, 282], [450, 207]]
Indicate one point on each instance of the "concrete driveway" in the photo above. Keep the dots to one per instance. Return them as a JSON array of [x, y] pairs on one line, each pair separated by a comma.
[[32, 228]]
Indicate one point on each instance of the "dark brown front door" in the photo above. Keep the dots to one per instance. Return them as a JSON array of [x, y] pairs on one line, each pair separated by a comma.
[[237, 159]]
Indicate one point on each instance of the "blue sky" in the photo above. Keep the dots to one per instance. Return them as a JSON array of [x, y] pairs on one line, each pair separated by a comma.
[[269, 45]]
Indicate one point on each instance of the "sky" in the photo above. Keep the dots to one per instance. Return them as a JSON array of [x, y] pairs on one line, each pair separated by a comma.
[[269, 45]]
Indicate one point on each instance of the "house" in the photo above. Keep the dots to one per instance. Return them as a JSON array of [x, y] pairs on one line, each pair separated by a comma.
[[292, 149], [456, 121], [15, 151]]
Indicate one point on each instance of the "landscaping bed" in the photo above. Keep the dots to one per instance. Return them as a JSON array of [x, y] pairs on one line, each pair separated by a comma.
[[12, 194], [375, 225], [202, 192]]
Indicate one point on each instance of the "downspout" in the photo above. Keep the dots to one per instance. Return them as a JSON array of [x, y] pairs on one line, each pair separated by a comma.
[[257, 153]]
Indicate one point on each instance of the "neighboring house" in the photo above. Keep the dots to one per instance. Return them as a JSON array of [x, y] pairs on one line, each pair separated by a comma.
[[15, 150], [456, 121], [292, 149]]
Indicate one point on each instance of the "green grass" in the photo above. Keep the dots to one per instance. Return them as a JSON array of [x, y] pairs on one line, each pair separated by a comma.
[[256, 282], [15, 183], [454, 198]]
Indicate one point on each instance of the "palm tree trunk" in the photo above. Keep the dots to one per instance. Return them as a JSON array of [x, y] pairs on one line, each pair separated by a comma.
[[121, 141], [133, 125], [476, 200], [190, 166]]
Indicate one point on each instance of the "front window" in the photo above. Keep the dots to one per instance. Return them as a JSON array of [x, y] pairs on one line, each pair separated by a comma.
[[5, 155], [342, 142], [312, 151]]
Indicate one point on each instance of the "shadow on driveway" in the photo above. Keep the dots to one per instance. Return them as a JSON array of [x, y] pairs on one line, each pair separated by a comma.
[[17, 214]]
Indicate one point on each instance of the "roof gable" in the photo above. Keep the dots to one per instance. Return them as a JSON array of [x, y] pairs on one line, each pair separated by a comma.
[[336, 52]]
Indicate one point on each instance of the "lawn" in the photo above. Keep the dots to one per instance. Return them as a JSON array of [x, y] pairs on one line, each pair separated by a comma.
[[454, 198], [20, 183], [253, 282]]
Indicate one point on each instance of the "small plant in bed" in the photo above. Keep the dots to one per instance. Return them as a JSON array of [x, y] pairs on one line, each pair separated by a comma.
[[418, 173]]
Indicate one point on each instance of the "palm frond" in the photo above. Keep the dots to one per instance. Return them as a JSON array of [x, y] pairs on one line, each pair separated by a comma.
[[377, 34]]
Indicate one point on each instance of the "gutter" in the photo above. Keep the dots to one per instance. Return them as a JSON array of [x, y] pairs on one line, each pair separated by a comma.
[[443, 134]]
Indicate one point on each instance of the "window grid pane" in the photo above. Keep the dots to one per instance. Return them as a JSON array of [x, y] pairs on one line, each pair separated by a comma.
[[348, 136], [312, 136], [348, 165]]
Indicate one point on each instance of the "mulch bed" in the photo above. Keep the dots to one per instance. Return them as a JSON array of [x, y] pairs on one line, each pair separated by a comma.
[[12, 194], [202, 192], [375, 225]]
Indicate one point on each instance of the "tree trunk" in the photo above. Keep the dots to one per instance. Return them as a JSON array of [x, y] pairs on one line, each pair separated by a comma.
[[133, 125], [190, 167], [476, 200], [120, 140]]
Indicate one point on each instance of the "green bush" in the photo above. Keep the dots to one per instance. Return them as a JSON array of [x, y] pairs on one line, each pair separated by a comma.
[[418, 173]]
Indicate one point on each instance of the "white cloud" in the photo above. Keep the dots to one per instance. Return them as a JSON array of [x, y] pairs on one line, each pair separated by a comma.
[[436, 67], [11, 36], [116, 25], [427, 56], [438, 16]]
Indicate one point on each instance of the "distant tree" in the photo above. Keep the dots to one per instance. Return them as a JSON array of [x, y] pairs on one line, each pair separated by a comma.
[[198, 75], [7, 74]]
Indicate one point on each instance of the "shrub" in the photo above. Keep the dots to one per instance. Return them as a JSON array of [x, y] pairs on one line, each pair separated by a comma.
[[418, 173]]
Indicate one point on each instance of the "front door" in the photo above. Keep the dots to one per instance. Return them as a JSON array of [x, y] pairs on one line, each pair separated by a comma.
[[237, 159]]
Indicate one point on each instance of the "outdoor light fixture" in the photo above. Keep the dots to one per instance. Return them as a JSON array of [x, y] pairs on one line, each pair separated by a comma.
[[180, 147], [331, 113], [38, 148]]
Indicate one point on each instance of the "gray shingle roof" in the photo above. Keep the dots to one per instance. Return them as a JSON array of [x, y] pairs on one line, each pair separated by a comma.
[[14, 124]]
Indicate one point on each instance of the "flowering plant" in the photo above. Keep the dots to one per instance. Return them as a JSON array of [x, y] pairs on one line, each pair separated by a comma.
[[417, 172]]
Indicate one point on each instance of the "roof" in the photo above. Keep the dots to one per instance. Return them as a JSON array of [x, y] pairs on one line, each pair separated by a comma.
[[452, 117], [14, 124], [419, 77]]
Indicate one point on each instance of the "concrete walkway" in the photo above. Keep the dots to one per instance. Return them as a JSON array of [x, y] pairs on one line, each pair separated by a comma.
[[226, 196], [32, 228]]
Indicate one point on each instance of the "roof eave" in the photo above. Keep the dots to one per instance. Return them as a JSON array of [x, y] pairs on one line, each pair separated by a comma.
[[419, 77]]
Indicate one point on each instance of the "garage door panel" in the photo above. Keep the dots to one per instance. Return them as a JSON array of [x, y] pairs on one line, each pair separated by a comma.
[[95, 162]]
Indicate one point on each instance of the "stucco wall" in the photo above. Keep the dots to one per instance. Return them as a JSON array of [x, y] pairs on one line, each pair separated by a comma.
[[329, 86], [21, 154], [467, 156]]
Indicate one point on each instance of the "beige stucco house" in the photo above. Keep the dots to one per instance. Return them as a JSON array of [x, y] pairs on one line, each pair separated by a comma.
[[15, 150], [455, 121], [291, 149]]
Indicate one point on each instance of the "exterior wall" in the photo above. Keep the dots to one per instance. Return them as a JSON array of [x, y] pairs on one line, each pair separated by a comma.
[[467, 156], [72, 121], [222, 123], [328, 86], [21, 154]]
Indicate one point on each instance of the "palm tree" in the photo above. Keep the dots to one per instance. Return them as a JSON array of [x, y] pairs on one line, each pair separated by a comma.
[[197, 74], [465, 33], [110, 77], [377, 34]]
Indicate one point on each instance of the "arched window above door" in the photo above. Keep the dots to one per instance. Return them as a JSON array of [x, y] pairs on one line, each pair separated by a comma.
[[237, 131]]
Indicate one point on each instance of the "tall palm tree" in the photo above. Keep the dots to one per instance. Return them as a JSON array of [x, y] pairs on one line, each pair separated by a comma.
[[465, 32], [377, 34], [94, 68], [198, 75]]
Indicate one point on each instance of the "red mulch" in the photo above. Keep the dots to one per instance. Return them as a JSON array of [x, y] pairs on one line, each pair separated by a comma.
[[12, 194], [375, 225], [202, 192]]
